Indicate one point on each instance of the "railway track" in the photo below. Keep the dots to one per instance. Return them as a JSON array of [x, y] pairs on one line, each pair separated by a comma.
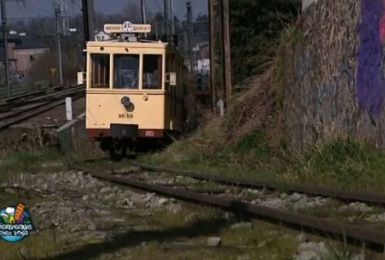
[[353, 234], [22, 110], [347, 196], [36, 97]]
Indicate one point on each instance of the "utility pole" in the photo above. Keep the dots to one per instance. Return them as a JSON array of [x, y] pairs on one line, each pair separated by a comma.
[[58, 40], [190, 33], [166, 18], [213, 70], [64, 17], [171, 6], [144, 14], [226, 50], [143, 9], [5, 44], [88, 20]]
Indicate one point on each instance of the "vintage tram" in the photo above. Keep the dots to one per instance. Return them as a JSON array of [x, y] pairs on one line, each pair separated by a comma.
[[135, 92]]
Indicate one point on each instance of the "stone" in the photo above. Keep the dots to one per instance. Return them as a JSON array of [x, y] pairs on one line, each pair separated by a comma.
[[302, 238], [106, 190], [295, 196], [242, 225], [358, 257], [312, 251], [128, 170], [252, 191], [92, 227], [214, 241], [148, 197], [174, 208], [274, 203], [126, 203], [163, 201], [357, 207], [101, 212], [137, 198], [376, 218], [54, 164]]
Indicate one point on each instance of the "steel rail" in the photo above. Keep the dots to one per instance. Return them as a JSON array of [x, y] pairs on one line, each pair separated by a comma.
[[45, 99], [48, 97], [40, 104], [35, 93], [10, 114], [356, 235], [22, 96], [29, 114], [367, 197]]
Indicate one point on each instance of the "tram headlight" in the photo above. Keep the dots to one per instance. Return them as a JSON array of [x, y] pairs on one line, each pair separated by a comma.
[[126, 101]]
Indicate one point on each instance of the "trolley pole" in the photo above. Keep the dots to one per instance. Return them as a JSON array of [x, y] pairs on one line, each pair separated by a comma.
[[58, 40], [5, 44]]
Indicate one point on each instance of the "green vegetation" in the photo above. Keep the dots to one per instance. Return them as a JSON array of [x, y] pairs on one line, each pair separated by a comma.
[[341, 163], [26, 162], [255, 30]]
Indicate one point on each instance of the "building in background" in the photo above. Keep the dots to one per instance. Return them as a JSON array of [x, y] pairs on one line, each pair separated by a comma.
[[23, 51]]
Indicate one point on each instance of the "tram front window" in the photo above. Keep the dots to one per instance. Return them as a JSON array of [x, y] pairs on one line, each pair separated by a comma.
[[126, 74], [100, 71], [152, 71]]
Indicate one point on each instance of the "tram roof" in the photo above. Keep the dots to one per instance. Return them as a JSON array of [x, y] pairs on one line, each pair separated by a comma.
[[136, 44]]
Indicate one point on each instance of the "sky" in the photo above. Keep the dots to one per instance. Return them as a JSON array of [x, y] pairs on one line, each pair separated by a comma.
[[36, 8]]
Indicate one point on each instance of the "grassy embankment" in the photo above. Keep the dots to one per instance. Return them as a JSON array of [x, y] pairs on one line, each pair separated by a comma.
[[241, 143], [343, 163]]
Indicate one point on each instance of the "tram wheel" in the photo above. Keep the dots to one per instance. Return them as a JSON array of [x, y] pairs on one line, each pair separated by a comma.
[[118, 151]]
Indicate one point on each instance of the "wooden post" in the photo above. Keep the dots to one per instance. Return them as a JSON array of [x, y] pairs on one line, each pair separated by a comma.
[[5, 44], [165, 22], [216, 52], [213, 87], [226, 51], [190, 36]]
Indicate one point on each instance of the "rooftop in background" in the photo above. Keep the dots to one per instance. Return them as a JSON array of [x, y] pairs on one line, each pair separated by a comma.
[[26, 42]]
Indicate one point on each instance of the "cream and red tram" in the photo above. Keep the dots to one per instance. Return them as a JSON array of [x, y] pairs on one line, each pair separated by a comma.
[[134, 90]]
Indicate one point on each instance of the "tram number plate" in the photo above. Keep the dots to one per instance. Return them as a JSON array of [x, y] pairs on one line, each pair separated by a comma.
[[150, 133], [126, 116]]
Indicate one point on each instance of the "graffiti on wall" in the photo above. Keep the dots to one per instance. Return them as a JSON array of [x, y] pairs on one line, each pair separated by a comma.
[[370, 74]]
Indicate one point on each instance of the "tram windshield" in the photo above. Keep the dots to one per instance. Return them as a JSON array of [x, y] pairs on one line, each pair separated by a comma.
[[126, 71]]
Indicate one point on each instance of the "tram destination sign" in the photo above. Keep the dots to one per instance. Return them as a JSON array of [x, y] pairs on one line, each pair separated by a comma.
[[127, 27]]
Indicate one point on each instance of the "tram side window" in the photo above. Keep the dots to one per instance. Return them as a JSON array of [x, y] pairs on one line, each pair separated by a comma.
[[126, 71], [152, 71], [100, 70]]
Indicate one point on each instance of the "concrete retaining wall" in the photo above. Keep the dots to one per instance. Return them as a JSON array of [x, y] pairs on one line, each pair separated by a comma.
[[336, 74]]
